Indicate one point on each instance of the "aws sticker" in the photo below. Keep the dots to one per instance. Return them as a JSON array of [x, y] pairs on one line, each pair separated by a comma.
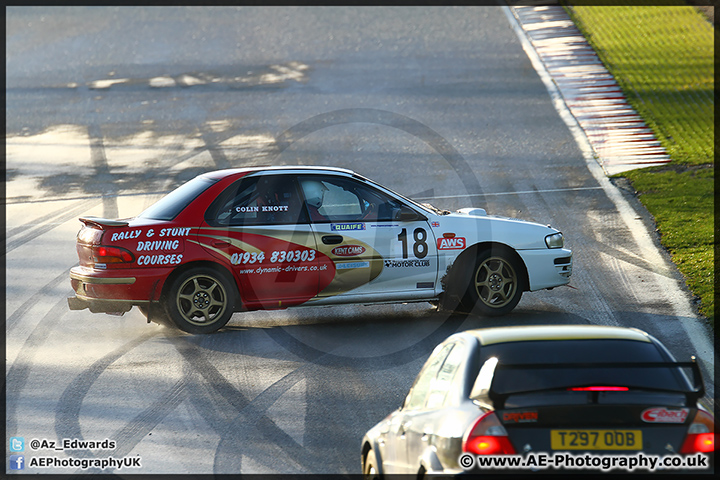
[[455, 243], [348, 250], [664, 415]]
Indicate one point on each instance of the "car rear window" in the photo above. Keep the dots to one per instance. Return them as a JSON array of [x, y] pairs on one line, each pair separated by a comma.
[[168, 207], [573, 353]]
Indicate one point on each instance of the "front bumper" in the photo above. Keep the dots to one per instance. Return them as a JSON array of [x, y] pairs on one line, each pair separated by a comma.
[[547, 268]]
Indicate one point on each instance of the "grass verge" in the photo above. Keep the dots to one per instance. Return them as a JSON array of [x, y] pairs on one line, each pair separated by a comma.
[[662, 57]]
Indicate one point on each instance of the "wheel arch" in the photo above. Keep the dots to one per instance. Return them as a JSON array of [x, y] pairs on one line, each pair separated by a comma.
[[222, 270], [459, 273], [369, 445]]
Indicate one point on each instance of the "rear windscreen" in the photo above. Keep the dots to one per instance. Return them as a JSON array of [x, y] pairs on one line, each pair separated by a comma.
[[174, 202], [570, 355]]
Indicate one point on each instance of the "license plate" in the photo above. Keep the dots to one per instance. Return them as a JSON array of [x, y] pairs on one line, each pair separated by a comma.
[[596, 439]]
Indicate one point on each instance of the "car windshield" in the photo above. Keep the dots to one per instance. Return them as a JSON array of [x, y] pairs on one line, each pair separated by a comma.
[[531, 375], [168, 207]]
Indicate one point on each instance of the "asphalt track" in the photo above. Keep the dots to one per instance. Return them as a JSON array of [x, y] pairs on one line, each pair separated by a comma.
[[107, 108]]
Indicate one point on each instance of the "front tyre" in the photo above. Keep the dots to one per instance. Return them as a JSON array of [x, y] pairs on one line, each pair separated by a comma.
[[495, 286], [200, 300], [370, 469]]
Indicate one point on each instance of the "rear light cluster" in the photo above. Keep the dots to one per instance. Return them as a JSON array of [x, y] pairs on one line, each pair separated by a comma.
[[487, 436], [105, 254], [701, 434]]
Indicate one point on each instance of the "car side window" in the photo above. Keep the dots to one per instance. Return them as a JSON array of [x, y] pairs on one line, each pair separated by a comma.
[[268, 200], [444, 383], [421, 388], [345, 200]]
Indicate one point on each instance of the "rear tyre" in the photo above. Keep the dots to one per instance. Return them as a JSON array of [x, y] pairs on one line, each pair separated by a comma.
[[496, 285], [201, 300]]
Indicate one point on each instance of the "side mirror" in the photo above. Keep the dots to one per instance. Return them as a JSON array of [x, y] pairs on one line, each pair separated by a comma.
[[405, 214]]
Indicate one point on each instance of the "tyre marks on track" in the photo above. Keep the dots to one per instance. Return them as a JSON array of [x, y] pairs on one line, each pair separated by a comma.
[[67, 411], [30, 231], [12, 321], [19, 372]]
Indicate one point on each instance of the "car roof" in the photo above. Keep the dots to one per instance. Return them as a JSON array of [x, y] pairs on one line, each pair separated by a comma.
[[490, 336], [285, 168]]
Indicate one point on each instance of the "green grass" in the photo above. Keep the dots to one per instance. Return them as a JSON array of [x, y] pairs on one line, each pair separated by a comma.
[[662, 58]]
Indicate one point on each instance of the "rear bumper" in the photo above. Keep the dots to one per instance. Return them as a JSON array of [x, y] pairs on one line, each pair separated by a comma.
[[103, 291], [101, 306]]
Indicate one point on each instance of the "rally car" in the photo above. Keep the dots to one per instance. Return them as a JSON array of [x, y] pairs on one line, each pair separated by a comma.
[[277, 237], [542, 390]]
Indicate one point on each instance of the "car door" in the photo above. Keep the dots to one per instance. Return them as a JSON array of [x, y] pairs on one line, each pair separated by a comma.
[[398, 461], [437, 423], [259, 228], [381, 248]]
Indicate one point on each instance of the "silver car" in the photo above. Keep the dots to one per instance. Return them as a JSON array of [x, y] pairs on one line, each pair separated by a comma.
[[521, 390]]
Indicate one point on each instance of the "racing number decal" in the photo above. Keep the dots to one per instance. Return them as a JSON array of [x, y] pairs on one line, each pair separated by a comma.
[[420, 247]]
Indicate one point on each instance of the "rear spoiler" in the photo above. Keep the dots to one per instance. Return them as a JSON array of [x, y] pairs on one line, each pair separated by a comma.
[[102, 222], [484, 391]]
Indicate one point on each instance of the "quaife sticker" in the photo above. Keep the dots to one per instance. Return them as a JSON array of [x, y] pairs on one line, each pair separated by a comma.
[[345, 227], [665, 415]]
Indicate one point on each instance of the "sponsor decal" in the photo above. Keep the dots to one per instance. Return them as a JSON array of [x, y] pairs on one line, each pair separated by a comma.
[[158, 245], [664, 415], [279, 269], [127, 235], [348, 250], [278, 256], [175, 232], [159, 259], [345, 227], [425, 285], [520, 417], [346, 265], [383, 225], [407, 263], [262, 208], [455, 243]]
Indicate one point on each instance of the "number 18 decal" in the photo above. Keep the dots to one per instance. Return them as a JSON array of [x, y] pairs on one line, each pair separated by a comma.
[[420, 247]]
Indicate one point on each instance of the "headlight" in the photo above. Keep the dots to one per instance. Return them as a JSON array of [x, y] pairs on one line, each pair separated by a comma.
[[555, 240]]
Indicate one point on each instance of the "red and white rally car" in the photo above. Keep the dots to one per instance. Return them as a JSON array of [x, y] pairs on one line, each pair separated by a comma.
[[277, 237]]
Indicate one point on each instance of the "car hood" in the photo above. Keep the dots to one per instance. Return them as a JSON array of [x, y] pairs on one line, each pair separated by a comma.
[[475, 223]]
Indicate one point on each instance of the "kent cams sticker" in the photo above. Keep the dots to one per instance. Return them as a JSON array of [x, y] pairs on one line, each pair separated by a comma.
[[348, 250]]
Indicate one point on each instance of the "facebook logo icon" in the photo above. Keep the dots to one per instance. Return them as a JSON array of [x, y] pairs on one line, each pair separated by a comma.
[[17, 462]]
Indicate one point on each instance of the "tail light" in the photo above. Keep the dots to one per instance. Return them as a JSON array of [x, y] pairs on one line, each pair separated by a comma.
[[601, 388], [701, 434], [487, 436], [105, 254]]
